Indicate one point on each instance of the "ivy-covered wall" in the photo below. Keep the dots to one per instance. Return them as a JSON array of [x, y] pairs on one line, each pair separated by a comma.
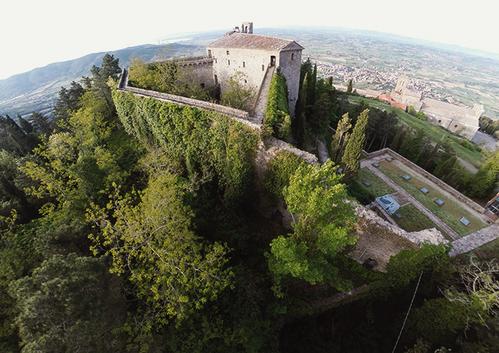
[[277, 118], [207, 145]]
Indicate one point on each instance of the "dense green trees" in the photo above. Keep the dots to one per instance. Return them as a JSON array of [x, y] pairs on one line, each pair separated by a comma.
[[172, 270], [69, 303], [322, 227], [138, 226]]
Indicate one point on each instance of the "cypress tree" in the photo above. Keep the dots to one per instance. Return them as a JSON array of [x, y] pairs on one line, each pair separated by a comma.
[[350, 86], [340, 137], [353, 149]]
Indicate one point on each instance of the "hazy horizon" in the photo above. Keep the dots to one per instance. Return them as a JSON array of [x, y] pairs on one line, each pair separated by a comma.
[[50, 23]]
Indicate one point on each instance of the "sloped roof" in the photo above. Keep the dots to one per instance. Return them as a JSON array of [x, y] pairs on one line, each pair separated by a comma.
[[254, 41]]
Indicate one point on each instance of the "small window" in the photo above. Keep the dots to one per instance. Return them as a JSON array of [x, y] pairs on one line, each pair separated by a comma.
[[202, 85], [455, 125], [228, 62], [244, 63], [439, 121], [245, 81], [209, 53], [227, 52], [215, 60], [292, 56], [263, 67]]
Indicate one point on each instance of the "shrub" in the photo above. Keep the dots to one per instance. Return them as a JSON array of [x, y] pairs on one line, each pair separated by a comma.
[[237, 95]]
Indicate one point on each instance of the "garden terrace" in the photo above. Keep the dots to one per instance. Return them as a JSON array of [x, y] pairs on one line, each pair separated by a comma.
[[450, 212]]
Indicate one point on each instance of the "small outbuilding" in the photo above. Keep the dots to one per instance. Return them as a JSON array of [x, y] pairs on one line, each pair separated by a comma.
[[388, 203]]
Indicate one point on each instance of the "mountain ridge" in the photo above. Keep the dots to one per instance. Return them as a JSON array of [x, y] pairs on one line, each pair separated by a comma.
[[36, 90]]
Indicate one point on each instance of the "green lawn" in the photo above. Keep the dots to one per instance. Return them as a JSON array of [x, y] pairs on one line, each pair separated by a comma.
[[377, 187], [411, 219], [433, 131], [450, 212]]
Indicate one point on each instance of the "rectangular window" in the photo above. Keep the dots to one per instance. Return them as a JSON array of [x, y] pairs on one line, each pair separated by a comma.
[[244, 63], [292, 56], [228, 62], [263, 67], [227, 52]]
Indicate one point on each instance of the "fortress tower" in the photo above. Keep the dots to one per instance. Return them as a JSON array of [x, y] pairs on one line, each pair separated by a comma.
[[240, 53]]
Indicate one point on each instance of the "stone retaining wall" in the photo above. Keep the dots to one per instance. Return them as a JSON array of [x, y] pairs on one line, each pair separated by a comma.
[[444, 186]]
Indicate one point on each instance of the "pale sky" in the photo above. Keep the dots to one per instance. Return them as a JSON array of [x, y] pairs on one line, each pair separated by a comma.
[[34, 33]]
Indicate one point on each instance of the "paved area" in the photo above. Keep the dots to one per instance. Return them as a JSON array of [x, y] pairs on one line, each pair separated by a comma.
[[474, 240], [437, 221]]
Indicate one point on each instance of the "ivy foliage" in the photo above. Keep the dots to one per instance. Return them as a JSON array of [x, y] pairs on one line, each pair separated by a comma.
[[205, 145], [277, 119]]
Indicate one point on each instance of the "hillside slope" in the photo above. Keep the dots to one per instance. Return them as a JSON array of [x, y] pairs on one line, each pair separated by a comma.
[[36, 90]]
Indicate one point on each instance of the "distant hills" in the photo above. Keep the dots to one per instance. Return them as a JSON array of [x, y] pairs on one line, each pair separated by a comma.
[[443, 71], [36, 90]]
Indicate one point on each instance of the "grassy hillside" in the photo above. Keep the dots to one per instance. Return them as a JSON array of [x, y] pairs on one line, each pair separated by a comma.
[[436, 133]]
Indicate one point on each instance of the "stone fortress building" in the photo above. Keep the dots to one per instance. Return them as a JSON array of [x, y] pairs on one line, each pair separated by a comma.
[[253, 58], [461, 120]]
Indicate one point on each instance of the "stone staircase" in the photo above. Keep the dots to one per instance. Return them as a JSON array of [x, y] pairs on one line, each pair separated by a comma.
[[262, 98]]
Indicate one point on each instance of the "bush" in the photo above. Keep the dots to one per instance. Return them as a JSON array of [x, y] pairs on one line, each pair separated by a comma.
[[237, 95]]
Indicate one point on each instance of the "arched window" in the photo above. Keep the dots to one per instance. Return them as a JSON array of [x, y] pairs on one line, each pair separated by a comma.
[[292, 56]]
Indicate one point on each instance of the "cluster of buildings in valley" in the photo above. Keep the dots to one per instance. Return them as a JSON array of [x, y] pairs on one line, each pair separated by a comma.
[[458, 119], [418, 94]]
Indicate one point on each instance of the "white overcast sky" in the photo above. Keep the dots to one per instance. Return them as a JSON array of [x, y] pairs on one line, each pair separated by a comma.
[[34, 33]]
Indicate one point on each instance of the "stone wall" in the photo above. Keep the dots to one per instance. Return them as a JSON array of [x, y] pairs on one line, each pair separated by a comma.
[[251, 64], [467, 201], [197, 70], [290, 66]]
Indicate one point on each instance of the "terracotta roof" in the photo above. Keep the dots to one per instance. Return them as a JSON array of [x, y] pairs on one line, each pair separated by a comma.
[[254, 41]]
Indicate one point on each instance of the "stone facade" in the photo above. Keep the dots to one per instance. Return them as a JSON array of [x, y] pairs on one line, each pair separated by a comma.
[[197, 70], [248, 56]]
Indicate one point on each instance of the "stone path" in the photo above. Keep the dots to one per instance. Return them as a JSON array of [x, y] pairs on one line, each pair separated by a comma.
[[437, 221], [474, 240], [261, 103]]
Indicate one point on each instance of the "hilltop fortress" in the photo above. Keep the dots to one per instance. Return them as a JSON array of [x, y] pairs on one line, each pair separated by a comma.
[[164, 118], [458, 119]]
